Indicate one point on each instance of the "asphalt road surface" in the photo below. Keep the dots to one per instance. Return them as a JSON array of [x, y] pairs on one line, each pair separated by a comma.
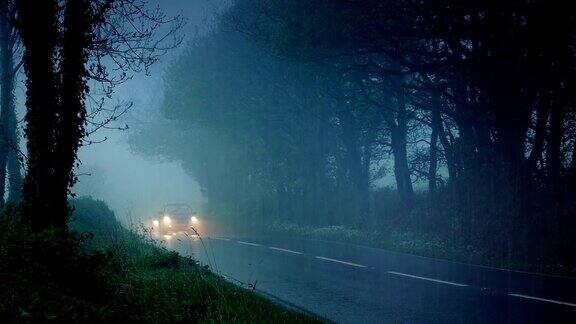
[[353, 284]]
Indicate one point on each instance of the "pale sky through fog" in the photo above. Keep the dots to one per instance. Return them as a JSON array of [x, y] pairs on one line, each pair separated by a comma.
[[134, 185]]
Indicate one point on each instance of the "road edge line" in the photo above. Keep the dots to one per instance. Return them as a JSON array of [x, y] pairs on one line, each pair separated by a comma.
[[543, 299]]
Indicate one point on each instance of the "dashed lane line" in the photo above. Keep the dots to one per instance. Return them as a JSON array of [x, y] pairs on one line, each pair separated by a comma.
[[343, 262], [428, 279], [248, 243], [543, 299], [400, 273], [284, 250], [220, 238]]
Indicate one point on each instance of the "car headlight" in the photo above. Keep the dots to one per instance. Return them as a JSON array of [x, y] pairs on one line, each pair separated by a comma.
[[155, 223], [166, 220], [194, 219]]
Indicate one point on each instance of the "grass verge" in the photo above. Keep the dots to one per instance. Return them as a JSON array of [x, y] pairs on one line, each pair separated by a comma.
[[114, 275], [411, 243]]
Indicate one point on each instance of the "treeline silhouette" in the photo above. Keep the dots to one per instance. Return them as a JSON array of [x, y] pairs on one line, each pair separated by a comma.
[[306, 111]]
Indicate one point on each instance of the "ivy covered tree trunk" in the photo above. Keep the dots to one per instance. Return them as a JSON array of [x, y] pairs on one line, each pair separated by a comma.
[[72, 111], [56, 90], [38, 27]]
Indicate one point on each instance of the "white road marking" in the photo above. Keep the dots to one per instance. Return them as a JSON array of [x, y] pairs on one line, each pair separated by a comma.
[[220, 238], [429, 279], [543, 299], [343, 262], [248, 243], [285, 250]]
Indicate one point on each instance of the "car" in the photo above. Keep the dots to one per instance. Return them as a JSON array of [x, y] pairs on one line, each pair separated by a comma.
[[176, 218]]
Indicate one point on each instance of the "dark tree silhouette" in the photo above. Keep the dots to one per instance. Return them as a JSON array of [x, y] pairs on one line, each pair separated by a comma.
[[10, 168], [66, 44], [472, 100]]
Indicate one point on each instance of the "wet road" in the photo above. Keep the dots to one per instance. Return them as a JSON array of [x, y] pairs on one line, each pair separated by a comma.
[[353, 284]]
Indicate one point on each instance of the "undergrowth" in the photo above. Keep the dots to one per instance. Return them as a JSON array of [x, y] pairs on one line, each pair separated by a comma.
[[409, 242], [101, 272]]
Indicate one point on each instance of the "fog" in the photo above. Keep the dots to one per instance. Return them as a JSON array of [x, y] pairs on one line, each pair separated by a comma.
[[364, 161], [136, 186]]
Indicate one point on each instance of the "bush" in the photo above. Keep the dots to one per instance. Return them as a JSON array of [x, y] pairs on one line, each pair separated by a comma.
[[47, 277]]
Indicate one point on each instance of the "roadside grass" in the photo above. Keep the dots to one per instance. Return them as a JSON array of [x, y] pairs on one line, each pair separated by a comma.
[[165, 288], [115, 275], [410, 243]]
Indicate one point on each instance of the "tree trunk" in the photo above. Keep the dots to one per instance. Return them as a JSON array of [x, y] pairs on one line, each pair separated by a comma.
[[38, 26], [15, 178], [554, 141], [354, 166], [433, 155], [448, 155], [573, 161], [72, 110], [8, 122], [6, 93], [539, 133], [399, 134], [365, 180], [55, 104]]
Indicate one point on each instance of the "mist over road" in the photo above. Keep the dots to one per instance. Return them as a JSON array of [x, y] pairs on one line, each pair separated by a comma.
[[353, 284]]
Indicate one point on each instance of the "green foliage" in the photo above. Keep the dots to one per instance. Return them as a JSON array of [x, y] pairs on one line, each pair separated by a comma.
[[337, 233], [47, 277], [113, 275], [94, 216], [170, 291], [431, 235]]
